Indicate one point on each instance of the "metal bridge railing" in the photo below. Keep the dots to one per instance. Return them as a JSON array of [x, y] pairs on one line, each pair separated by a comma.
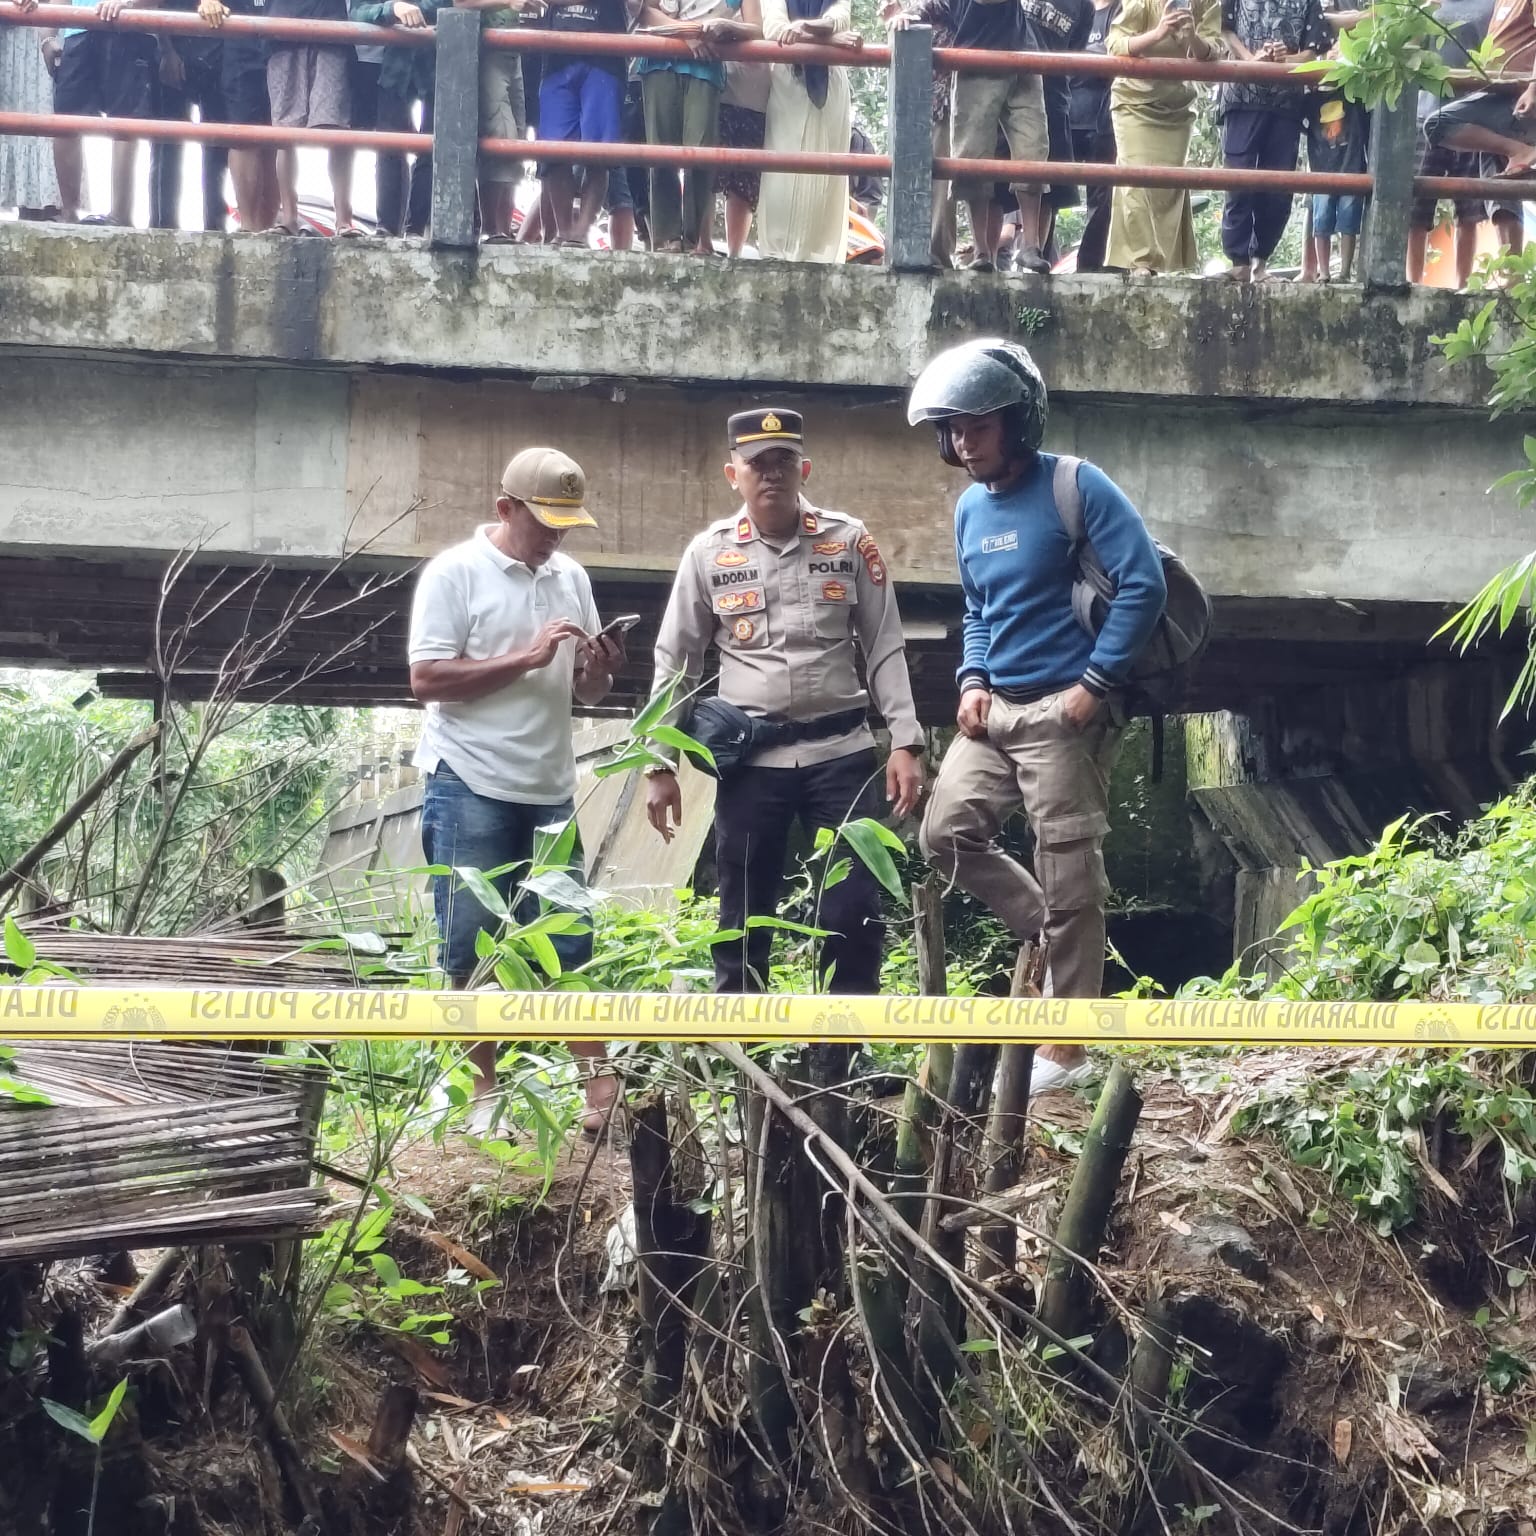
[[456, 144]]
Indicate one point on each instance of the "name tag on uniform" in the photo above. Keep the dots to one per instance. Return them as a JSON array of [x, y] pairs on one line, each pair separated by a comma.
[[996, 543]]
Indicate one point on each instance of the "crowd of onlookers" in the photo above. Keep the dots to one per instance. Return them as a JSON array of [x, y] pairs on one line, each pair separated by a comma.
[[703, 100]]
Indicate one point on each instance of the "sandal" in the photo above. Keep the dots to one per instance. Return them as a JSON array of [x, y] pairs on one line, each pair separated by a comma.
[[291, 230], [348, 232]]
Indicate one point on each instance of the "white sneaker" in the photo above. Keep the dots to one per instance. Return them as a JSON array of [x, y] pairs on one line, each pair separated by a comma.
[[1049, 1075], [483, 1114]]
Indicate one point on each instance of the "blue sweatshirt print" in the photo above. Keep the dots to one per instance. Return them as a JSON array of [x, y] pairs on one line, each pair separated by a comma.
[[1017, 569]]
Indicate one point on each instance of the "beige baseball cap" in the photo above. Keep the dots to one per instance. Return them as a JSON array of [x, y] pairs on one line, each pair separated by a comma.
[[551, 485]]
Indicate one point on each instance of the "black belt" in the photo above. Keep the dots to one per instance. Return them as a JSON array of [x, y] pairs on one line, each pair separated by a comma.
[[784, 732]]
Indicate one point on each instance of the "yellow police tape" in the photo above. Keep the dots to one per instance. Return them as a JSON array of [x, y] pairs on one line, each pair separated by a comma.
[[116, 1013]]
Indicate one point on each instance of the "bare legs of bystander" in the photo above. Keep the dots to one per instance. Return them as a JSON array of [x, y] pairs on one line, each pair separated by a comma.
[[738, 223], [601, 1088], [69, 167], [254, 173]]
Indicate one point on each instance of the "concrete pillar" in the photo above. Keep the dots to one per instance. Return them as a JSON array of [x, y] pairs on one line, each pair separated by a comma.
[[1315, 775], [1394, 143], [910, 100], [456, 129]]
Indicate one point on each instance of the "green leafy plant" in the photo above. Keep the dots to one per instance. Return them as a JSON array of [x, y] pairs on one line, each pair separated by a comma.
[[1396, 47], [93, 1431], [1364, 1128]]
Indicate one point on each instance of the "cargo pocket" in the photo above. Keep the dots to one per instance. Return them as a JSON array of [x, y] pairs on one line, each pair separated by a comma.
[[1069, 861]]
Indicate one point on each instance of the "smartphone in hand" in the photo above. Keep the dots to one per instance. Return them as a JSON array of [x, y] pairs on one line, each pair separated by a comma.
[[616, 629]]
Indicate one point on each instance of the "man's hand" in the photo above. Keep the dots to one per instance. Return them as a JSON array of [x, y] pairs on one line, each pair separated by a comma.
[[975, 706], [597, 658], [27, 5], [806, 32], [212, 12], [664, 798], [1079, 707], [903, 780], [1525, 106], [53, 52], [600, 655], [408, 15], [173, 69], [853, 40], [541, 650], [110, 10]]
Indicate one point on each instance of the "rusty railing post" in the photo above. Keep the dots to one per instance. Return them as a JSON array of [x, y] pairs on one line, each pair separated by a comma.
[[1394, 142], [910, 98], [455, 129]]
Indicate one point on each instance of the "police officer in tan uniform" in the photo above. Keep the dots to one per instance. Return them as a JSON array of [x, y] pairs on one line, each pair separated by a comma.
[[785, 591]]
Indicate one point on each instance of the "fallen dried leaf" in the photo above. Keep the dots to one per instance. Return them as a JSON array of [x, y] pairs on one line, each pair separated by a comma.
[[1175, 1223], [1443, 1503], [449, 1400], [462, 1257], [1403, 1438], [528, 1488], [418, 1357], [502, 1419], [1343, 1440], [1433, 1174], [979, 1433], [1273, 1174], [359, 1453]]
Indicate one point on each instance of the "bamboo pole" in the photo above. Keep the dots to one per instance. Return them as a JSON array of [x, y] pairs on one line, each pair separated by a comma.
[[1007, 1130], [1090, 1198]]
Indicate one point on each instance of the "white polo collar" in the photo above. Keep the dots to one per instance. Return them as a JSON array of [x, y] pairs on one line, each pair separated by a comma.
[[498, 557]]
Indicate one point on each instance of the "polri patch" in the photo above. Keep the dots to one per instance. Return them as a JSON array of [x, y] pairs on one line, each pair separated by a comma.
[[744, 629], [830, 546], [834, 592]]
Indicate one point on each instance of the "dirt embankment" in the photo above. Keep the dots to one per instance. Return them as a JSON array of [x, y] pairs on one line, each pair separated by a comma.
[[1343, 1382]]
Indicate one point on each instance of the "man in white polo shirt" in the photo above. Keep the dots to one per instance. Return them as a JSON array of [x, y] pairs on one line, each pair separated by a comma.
[[504, 634]]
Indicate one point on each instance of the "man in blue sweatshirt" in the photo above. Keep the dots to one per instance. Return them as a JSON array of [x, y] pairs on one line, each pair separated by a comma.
[[1038, 717]]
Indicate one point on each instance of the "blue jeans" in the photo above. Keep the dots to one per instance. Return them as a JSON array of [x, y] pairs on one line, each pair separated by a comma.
[[1336, 214], [461, 828]]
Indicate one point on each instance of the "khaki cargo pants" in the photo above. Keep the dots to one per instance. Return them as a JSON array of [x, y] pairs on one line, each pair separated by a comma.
[[1035, 758]]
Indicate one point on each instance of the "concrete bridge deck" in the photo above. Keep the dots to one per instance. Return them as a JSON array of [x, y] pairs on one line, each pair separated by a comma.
[[1305, 449]]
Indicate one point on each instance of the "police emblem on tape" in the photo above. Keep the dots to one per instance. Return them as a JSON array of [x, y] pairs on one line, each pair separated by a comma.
[[744, 629]]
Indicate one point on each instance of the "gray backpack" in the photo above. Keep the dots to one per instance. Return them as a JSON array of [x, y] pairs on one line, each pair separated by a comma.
[[1159, 677]]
